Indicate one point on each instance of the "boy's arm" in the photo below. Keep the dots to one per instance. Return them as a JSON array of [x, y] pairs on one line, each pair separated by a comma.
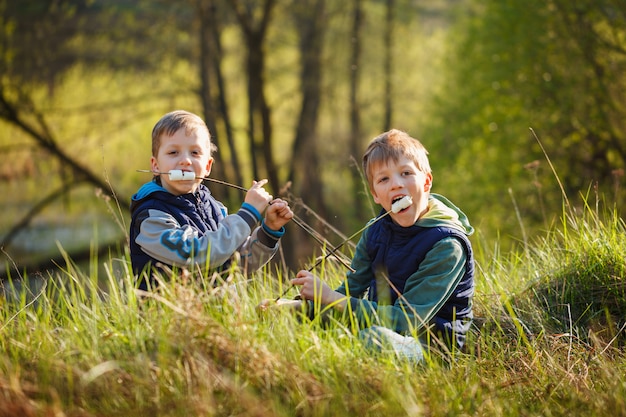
[[425, 291], [260, 247], [164, 239], [263, 242]]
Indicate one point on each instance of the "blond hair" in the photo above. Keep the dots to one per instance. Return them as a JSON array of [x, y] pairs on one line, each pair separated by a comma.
[[393, 145], [173, 121]]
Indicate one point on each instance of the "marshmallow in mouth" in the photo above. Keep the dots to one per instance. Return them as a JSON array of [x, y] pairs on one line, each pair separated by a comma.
[[180, 175], [401, 204]]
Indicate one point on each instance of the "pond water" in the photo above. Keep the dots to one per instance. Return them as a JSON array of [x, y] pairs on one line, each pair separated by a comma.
[[36, 253], [34, 248], [43, 237]]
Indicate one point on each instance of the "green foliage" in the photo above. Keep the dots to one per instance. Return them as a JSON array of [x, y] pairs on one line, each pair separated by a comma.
[[580, 287], [42, 40], [552, 66]]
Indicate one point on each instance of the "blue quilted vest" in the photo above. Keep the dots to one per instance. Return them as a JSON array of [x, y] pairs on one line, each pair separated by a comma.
[[200, 211], [398, 251]]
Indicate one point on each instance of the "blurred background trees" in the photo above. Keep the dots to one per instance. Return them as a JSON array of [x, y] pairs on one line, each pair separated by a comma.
[[292, 91], [556, 67]]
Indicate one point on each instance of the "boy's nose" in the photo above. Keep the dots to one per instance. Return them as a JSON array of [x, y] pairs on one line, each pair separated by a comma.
[[396, 181]]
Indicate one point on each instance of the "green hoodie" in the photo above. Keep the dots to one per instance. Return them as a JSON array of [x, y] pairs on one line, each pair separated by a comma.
[[427, 289]]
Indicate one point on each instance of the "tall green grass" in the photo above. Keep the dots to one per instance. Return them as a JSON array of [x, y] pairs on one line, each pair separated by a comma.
[[548, 340]]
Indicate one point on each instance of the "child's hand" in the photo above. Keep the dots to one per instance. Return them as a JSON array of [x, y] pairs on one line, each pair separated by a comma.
[[280, 304], [257, 196], [312, 287], [278, 214]]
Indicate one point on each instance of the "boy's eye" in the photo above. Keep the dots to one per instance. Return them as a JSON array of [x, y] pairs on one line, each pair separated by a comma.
[[383, 179]]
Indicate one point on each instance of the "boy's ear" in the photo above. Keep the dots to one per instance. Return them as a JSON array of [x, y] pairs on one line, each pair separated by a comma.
[[375, 196], [209, 165], [154, 165], [428, 183]]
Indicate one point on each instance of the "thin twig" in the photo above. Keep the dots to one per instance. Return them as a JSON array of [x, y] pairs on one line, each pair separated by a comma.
[[551, 167], [611, 341], [43, 289]]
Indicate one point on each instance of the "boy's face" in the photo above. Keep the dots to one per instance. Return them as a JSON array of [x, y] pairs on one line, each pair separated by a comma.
[[185, 152], [393, 180]]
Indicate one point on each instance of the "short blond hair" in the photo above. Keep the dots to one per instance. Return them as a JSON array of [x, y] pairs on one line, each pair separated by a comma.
[[173, 121], [393, 145]]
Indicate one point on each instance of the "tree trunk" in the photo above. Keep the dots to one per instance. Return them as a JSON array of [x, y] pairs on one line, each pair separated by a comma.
[[304, 169], [259, 112], [232, 172], [360, 192], [205, 12], [388, 66]]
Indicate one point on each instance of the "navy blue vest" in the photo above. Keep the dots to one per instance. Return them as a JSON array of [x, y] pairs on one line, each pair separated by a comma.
[[398, 252], [200, 211]]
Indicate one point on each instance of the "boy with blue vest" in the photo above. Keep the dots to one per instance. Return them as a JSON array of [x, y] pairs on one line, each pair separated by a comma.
[[175, 221], [413, 278]]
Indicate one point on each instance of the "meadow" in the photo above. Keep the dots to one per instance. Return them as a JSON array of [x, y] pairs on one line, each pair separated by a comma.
[[548, 340]]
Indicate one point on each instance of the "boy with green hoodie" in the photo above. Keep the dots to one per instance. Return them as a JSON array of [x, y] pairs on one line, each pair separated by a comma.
[[413, 278]]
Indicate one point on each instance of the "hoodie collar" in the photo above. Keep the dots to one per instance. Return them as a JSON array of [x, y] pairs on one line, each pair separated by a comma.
[[443, 211], [147, 189]]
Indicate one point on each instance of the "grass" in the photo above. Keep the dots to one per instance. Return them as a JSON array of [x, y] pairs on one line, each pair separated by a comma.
[[548, 342]]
